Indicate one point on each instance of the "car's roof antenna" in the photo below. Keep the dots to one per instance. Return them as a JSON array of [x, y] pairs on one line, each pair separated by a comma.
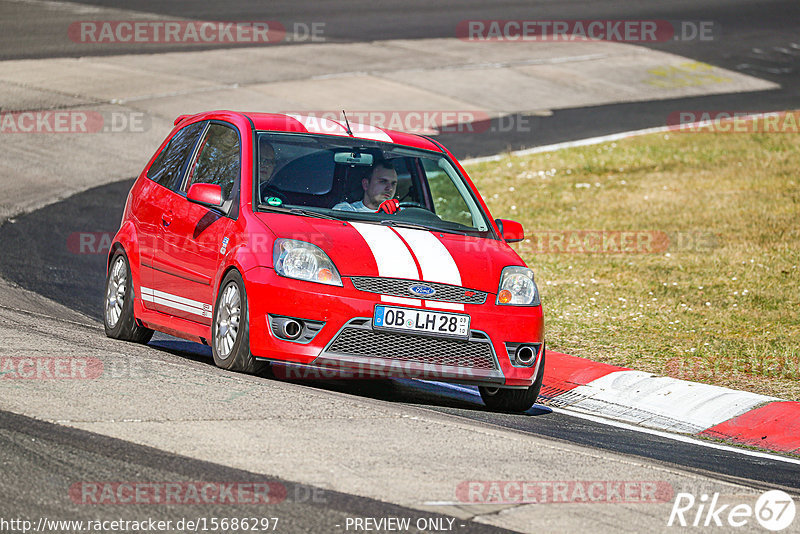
[[349, 131]]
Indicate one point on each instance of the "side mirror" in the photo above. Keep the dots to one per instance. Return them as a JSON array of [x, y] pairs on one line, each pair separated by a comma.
[[209, 195], [511, 231]]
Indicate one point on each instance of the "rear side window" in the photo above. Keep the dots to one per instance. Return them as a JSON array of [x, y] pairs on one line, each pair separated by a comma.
[[168, 166], [218, 160]]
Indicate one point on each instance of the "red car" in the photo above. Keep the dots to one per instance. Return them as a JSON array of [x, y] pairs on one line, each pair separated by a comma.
[[285, 238]]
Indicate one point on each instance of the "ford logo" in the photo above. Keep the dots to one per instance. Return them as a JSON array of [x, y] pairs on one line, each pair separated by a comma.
[[421, 290]]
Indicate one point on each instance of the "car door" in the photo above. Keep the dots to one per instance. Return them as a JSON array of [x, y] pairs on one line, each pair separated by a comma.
[[194, 239], [151, 205]]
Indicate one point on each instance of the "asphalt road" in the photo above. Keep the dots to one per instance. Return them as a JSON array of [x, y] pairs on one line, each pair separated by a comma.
[[58, 252], [42, 462]]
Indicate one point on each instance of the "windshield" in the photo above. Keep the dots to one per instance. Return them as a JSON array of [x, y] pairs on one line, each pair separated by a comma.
[[348, 179]]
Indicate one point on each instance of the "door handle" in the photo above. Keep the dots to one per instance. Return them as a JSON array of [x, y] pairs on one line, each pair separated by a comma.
[[166, 219]]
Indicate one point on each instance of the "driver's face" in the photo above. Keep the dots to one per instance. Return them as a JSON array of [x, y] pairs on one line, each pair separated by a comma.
[[266, 161], [381, 186]]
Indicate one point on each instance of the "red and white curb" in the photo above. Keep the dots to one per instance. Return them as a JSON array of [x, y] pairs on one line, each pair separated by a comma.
[[658, 402], [669, 404]]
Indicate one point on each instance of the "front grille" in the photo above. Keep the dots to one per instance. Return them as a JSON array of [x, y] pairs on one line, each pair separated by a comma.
[[399, 288], [429, 350]]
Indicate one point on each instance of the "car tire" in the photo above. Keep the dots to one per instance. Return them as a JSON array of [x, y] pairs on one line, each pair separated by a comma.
[[230, 328], [118, 319], [514, 400]]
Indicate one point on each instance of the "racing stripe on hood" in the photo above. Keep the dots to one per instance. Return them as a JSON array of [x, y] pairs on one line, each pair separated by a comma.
[[434, 259], [395, 251], [391, 255]]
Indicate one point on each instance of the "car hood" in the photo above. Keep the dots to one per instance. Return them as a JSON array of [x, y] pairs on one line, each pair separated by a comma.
[[364, 249]]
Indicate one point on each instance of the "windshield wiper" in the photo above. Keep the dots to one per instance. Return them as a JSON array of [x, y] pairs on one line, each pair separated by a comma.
[[312, 213], [404, 224], [296, 211]]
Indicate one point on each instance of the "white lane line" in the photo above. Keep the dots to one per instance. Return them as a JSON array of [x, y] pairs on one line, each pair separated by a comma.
[[604, 139], [634, 428], [570, 144], [675, 437]]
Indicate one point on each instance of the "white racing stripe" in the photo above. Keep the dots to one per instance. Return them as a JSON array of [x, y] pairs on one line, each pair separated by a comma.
[[327, 126], [366, 131], [392, 256], [436, 262], [395, 261], [434, 259], [400, 300], [320, 125], [176, 303], [455, 306]]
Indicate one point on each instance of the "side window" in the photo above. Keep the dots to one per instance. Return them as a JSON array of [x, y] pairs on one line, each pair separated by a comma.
[[166, 169], [448, 201], [218, 160]]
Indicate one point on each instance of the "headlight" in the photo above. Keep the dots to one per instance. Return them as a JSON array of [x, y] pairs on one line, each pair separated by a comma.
[[304, 261], [517, 287]]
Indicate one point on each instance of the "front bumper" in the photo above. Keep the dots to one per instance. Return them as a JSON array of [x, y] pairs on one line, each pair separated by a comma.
[[348, 342]]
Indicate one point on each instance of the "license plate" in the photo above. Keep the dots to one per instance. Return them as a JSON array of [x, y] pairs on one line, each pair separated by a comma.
[[421, 321]]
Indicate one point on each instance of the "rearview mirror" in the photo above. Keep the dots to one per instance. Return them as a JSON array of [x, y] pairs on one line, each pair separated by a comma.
[[352, 157], [511, 231], [209, 195]]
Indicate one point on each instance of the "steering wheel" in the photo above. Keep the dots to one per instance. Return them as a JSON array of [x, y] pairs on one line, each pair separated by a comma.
[[411, 205]]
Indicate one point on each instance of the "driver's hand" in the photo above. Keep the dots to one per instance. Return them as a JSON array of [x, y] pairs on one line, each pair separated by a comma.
[[390, 206]]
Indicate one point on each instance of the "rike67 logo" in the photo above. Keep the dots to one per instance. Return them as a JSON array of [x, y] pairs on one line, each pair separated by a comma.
[[774, 510]]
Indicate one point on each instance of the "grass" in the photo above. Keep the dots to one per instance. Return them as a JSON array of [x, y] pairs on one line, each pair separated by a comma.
[[710, 289]]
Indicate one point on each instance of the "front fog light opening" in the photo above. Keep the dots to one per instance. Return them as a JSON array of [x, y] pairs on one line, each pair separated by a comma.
[[294, 329], [523, 354]]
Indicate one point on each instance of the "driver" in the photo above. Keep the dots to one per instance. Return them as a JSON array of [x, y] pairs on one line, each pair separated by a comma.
[[379, 190], [266, 160]]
